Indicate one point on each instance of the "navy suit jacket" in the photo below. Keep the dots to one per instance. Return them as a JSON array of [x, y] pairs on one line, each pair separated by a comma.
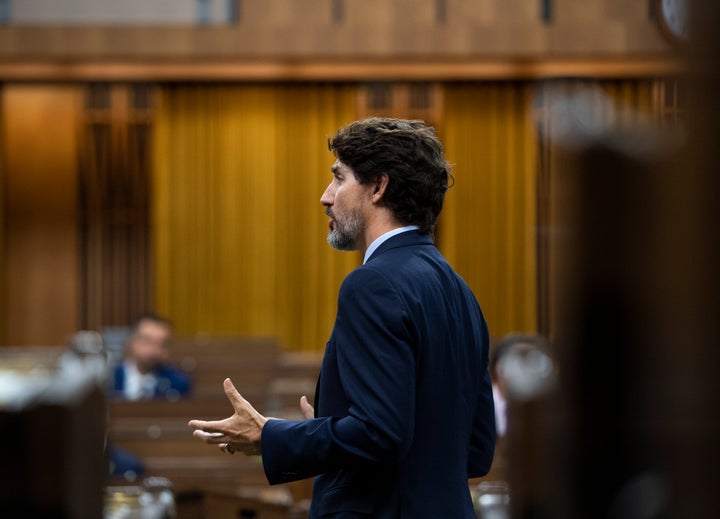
[[171, 383], [404, 402]]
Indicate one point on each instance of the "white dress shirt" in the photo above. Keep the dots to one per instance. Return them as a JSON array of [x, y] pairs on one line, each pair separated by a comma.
[[500, 411], [384, 237], [138, 385]]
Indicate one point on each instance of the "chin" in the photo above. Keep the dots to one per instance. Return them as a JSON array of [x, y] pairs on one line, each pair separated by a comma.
[[338, 242]]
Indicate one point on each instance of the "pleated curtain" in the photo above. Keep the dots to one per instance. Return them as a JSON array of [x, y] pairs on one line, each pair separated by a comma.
[[238, 232]]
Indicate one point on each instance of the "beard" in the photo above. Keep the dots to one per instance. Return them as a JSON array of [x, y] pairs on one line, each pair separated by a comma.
[[345, 232]]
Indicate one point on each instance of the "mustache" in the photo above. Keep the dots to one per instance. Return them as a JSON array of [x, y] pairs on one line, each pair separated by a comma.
[[328, 212]]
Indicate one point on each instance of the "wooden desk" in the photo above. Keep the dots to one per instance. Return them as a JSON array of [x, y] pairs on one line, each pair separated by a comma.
[[249, 362], [232, 504], [157, 431]]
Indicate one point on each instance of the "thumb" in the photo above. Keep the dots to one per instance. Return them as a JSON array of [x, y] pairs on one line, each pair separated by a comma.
[[235, 398], [307, 410]]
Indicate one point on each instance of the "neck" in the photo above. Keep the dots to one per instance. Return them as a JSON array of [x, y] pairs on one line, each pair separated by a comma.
[[143, 369], [377, 228]]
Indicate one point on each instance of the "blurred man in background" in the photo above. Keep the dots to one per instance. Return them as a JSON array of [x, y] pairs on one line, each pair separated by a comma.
[[144, 373]]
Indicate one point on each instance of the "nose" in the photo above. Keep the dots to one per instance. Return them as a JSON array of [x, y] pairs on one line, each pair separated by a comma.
[[328, 196]]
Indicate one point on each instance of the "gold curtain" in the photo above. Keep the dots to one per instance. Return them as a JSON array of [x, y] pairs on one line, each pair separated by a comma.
[[238, 230], [488, 227], [238, 233], [632, 100], [497, 224]]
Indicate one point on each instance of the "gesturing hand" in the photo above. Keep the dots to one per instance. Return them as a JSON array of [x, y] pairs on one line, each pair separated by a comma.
[[240, 432]]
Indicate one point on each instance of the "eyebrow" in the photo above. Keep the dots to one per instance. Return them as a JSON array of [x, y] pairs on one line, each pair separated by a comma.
[[335, 169]]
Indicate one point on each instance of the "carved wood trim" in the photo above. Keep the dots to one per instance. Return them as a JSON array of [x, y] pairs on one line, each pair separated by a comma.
[[331, 70]]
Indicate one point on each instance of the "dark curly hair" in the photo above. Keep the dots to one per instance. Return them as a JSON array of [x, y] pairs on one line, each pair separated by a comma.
[[409, 153]]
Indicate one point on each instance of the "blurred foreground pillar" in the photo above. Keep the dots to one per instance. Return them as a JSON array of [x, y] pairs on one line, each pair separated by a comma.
[[52, 435], [638, 345]]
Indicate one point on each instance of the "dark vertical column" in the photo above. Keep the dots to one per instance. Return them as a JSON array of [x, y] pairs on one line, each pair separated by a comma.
[[338, 11], [613, 450], [440, 11], [234, 11], [640, 363], [5, 12], [546, 10], [692, 323]]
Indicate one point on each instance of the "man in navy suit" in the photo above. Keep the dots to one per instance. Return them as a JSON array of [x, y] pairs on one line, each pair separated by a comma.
[[404, 410], [144, 373]]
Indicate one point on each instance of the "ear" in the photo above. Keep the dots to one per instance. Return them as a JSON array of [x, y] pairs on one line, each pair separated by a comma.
[[379, 187]]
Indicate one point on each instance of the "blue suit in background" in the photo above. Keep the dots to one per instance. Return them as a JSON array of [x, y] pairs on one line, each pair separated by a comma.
[[170, 383], [404, 402]]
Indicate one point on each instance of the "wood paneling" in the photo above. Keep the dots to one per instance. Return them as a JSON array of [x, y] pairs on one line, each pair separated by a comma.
[[400, 69], [307, 30], [40, 218], [114, 201]]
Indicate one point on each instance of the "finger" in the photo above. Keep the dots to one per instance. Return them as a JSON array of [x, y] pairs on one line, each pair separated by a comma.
[[307, 410], [209, 437], [212, 427], [233, 395], [241, 406]]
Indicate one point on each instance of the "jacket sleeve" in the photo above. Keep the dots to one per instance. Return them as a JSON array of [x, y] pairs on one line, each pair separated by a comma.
[[482, 437], [377, 368]]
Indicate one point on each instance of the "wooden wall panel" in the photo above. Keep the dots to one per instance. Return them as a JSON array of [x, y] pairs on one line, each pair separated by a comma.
[[312, 30], [461, 11], [283, 13], [637, 11], [574, 11], [114, 200], [512, 11], [40, 126], [3, 180]]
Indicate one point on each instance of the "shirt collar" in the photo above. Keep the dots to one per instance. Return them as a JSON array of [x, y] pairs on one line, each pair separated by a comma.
[[384, 237]]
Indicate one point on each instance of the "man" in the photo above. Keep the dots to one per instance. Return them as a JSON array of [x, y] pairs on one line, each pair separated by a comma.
[[144, 373], [404, 401]]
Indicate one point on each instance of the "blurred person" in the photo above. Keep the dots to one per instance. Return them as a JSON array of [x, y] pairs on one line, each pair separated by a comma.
[[403, 413], [144, 372], [124, 464], [511, 344]]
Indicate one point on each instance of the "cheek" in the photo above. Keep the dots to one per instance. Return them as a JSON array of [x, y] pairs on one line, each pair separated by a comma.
[[145, 350], [149, 351], [338, 201]]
